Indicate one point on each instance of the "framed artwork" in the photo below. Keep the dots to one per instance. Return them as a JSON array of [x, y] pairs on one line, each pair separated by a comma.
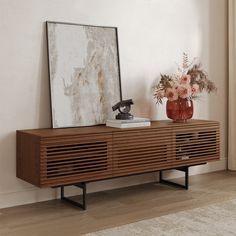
[[84, 73]]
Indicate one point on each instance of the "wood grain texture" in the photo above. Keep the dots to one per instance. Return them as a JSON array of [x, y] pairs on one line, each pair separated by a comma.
[[28, 158], [103, 129], [54, 157]]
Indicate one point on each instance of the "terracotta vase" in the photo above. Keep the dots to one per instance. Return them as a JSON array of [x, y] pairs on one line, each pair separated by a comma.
[[179, 110]]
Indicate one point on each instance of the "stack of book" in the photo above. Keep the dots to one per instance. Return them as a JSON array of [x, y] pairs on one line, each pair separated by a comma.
[[135, 122]]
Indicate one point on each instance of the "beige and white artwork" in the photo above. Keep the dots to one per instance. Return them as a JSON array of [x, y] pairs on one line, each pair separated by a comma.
[[84, 74]]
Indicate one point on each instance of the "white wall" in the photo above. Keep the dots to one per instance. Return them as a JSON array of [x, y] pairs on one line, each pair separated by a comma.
[[152, 36]]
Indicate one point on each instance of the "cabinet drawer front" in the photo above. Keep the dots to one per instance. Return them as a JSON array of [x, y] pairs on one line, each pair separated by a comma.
[[141, 151], [195, 145], [75, 159]]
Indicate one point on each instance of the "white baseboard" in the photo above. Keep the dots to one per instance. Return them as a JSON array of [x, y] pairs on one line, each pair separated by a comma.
[[26, 196], [34, 194], [196, 170]]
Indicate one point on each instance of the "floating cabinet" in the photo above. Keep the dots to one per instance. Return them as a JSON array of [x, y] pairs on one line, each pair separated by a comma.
[[58, 157]]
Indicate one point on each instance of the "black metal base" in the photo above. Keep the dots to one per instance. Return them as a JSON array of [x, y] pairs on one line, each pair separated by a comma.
[[186, 180], [77, 204], [83, 206]]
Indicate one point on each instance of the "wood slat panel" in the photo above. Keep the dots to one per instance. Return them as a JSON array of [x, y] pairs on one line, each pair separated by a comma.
[[137, 152], [140, 151], [69, 139], [64, 180], [71, 170], [171, 163], [151, 168], [76, 156], [79, 154], [69, 159], [161, 158], [192, 143]]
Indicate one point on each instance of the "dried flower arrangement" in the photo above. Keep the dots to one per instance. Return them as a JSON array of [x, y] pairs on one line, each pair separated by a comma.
[[190, 80]]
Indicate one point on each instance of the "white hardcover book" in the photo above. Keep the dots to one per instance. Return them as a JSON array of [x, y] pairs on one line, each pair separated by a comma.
[[128, 125], [134, 120]]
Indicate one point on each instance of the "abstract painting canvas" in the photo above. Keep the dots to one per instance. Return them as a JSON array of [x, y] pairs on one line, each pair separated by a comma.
[[84, 73]]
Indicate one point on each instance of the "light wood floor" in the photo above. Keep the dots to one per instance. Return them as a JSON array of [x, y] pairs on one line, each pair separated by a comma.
[[116, 207]]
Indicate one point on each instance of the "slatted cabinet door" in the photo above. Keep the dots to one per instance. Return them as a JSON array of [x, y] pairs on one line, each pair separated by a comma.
[[196, 144], [75, 159], [141, 150]]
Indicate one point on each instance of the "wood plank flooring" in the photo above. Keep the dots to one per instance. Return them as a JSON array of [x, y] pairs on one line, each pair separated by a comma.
[[116, 207]]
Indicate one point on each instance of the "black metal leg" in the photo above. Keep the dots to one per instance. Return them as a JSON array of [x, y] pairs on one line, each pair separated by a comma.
[[186, 179], [77, 204]]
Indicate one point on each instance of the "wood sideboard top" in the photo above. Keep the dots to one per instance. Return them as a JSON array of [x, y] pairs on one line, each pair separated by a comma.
[[49, 132]]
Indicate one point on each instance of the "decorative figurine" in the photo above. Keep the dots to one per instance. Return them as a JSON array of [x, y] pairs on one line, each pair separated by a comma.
[[124, 108]]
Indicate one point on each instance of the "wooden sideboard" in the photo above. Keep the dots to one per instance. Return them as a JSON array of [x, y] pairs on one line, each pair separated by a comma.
[[60, 157]]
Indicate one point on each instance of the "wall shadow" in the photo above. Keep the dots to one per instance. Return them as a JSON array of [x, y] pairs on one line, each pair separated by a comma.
[[44, 119]]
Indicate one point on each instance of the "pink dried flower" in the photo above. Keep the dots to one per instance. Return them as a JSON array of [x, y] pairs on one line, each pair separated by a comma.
[[184, 91], [195, 89], [171, 94], [190, 80], [185, 79]]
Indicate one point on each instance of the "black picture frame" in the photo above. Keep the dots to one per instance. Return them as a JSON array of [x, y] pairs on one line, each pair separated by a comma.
[[53, 68]]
